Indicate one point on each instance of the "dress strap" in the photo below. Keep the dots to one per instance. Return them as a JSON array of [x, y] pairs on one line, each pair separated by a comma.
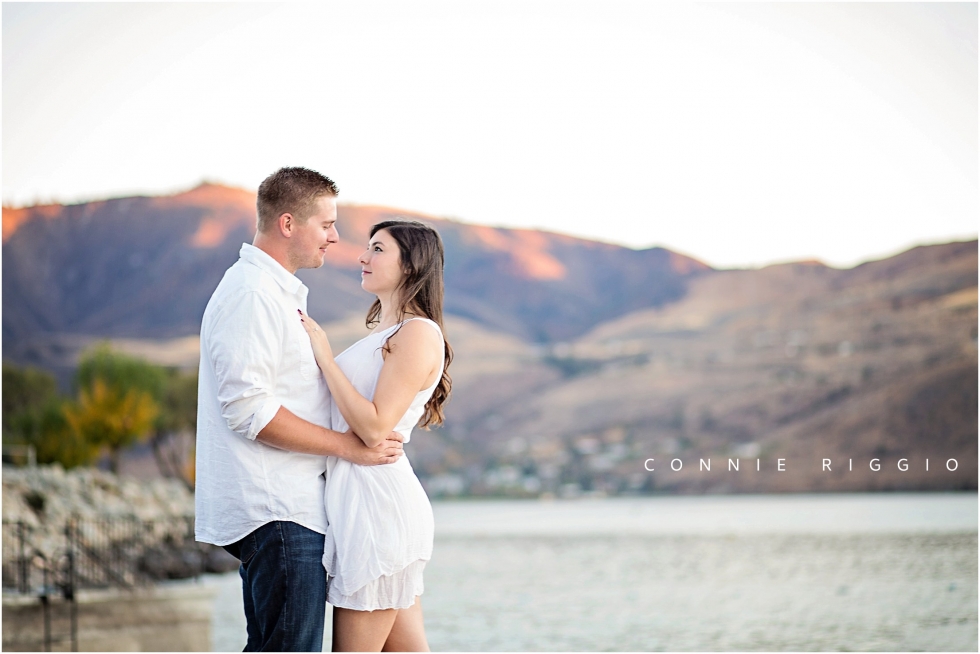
[[426, 320]]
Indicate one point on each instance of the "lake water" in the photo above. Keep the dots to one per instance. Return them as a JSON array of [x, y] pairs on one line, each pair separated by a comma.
[[780, 572]]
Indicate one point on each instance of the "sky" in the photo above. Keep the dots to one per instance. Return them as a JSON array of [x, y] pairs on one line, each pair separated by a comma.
[[740, 134]]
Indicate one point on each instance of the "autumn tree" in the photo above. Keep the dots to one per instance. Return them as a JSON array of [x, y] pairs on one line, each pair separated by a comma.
[[118, 400], [33, 415]]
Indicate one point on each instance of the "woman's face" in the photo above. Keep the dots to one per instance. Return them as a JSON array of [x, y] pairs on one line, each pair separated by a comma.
[[381, 268]]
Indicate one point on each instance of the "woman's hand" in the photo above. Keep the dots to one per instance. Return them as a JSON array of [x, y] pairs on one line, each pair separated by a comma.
[[319, 341]]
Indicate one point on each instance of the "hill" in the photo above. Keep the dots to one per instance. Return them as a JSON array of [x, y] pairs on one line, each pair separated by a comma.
[[144, 267], [797, 361], [576, 361]]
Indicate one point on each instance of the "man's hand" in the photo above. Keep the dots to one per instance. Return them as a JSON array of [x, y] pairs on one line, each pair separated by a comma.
[[288, 431], [388, 451]]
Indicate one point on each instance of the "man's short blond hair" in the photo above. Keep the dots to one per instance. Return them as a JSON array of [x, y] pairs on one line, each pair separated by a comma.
[[291, 190]]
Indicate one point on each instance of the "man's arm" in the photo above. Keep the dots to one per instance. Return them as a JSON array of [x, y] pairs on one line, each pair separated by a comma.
[[243, 345], [287, 431]]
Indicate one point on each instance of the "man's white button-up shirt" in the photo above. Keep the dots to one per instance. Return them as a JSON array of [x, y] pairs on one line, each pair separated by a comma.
[[255, 358]]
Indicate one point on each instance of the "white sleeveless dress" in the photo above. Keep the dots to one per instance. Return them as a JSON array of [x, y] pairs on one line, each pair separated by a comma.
[[380, 526]]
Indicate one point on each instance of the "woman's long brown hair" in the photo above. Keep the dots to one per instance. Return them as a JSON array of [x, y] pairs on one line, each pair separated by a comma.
[[421, 291]]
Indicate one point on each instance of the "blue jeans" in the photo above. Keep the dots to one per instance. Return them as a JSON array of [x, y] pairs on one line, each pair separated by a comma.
[[284, 586]]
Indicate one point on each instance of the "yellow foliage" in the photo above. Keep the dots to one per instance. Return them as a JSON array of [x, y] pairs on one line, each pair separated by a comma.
[[66, 446], [112, 417]]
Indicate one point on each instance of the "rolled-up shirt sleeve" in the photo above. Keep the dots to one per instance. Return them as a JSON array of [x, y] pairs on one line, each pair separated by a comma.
[[244, 345]]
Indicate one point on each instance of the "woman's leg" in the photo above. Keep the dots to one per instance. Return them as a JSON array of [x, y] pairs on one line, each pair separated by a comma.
[[361, 631], [408, 632]]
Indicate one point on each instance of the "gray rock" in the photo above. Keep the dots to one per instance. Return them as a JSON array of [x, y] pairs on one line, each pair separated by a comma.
[[147, 522]]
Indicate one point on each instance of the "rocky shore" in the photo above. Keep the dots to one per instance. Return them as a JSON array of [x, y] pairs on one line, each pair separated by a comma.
[[158, 542]]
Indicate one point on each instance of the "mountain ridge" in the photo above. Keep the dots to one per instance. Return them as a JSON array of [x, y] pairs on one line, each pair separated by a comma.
[[576, 360], [115, 267]]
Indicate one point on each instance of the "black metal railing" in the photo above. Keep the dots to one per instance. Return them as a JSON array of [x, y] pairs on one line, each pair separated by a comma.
[[116, 552]]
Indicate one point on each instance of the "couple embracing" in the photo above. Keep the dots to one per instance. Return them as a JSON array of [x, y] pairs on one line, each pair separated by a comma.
[[301, 473]]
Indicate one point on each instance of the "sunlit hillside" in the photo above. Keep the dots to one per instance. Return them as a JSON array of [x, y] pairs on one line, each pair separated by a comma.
[[576, 361]]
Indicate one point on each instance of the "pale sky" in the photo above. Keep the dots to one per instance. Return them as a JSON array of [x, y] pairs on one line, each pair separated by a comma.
[[741, 134]]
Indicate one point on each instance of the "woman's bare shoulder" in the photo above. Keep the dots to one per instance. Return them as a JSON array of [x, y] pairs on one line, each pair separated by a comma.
[[416, 340], [418, 332]]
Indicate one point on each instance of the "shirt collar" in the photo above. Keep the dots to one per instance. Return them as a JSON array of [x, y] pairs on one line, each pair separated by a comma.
[[257, 257]]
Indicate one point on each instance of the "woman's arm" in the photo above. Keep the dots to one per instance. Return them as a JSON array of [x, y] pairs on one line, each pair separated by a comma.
[[287, 431], [415, 354]]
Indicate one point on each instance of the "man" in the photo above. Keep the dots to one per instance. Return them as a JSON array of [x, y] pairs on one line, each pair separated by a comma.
[[262, 406]]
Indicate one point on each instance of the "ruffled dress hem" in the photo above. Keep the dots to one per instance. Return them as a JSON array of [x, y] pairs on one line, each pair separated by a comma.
[[394, 591]]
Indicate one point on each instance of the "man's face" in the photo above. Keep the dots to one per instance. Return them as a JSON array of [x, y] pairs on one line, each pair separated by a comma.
[[309, 241]]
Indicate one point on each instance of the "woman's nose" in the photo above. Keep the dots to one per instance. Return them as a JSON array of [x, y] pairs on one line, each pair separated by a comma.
[[363, 258]]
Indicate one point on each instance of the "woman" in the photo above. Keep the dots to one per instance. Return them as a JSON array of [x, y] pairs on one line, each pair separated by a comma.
[[380, 520]]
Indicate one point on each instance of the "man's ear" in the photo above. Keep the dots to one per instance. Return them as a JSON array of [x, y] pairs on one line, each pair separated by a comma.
[[286, 224]]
